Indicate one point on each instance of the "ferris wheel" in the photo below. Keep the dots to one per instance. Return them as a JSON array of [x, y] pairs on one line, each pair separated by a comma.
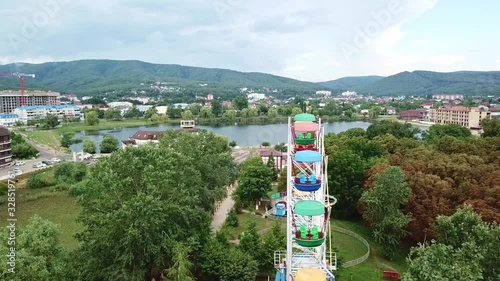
[[308, 255]]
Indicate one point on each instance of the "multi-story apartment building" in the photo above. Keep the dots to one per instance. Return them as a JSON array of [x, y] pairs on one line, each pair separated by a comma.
[[27, 113], [10, 100], [5, 147], [448, 97], [469, 117], [7, 120]]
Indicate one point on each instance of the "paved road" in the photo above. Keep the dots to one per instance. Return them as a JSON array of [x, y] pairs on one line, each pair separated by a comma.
[[46, 153]]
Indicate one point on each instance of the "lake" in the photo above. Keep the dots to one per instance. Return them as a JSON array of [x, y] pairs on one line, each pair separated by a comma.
[[244, 135]]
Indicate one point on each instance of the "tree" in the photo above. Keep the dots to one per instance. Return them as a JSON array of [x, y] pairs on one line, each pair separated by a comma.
[[50, 121], [383, 209], [239, 265], [132, 112], [436, 132], [399, 130], [91, 118], [230, 114], [346, 171], [250, 241], [217, 108], [89, 146], [282, 147], [181, 268], [282, 181], [70, 172], [272, 166], [232, 219], [266, 143], [491, 128], [113, 113], [232, 144], [466, 248], [67, 139], [149, 113], [440, 262], [240, 102], [109, 144], [23, 150], [37, 252], [206, 113], [147, 200], [375, 112], [272, 113], [187, 115], [255, 181], [274, 240]]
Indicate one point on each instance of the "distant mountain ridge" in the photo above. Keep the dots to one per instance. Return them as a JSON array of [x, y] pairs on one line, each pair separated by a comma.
[[90, 76], [106, 75], [348, 83]]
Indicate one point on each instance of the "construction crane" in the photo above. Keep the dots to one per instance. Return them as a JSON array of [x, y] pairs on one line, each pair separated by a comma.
[[21, 81]]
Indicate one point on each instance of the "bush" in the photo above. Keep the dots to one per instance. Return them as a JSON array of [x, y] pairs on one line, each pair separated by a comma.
[[3, 189], [70, 172], [77, 189], [37, 181], [32, 197], [232, 219], [60, 187]]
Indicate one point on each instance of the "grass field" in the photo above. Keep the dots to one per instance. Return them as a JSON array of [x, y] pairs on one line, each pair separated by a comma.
[[373, 267], [45, 137], [103, 125], [55, 206]]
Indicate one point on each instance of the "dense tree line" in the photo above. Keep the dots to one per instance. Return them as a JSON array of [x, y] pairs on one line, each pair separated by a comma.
[[443, 169], [146, 213]]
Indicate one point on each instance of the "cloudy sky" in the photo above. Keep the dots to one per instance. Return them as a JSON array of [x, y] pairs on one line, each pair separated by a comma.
[[309, 40]]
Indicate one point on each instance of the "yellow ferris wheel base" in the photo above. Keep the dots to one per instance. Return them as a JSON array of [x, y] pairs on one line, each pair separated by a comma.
[[310, 274]]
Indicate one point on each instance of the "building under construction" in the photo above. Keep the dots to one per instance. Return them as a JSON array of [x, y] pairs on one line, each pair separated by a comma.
[[10, 100]]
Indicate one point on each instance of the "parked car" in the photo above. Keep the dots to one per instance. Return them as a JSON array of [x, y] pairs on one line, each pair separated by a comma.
[[47, 162], [55, 160], [39, 165], [16, 172], [85, 156], [20, 163]]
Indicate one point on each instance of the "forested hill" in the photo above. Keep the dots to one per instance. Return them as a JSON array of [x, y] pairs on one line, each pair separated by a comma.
[[350, 83], [90, 76], [106, 75], [424, 83]]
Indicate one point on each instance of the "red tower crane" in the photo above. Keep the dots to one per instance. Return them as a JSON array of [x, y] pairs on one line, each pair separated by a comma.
[[21, 81]]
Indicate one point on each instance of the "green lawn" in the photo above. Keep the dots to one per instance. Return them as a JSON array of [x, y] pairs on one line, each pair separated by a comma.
[[106, 125], [46, 137], [373, 267], [347, 248], [57, 207]]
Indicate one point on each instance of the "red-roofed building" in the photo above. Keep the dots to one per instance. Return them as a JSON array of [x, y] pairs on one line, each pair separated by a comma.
[[417, 114], [143, 137], [279, 157]]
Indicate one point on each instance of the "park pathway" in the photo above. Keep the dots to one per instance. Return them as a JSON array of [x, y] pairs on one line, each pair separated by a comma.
[[223, 209], [224, 206]]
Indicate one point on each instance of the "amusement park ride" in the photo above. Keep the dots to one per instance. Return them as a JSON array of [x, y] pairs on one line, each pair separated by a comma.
[[308, 206]]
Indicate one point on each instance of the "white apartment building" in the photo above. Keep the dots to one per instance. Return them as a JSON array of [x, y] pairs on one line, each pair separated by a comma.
[[448, 97], [256, 96], [8, 120], [469, 117], [27, 113]]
